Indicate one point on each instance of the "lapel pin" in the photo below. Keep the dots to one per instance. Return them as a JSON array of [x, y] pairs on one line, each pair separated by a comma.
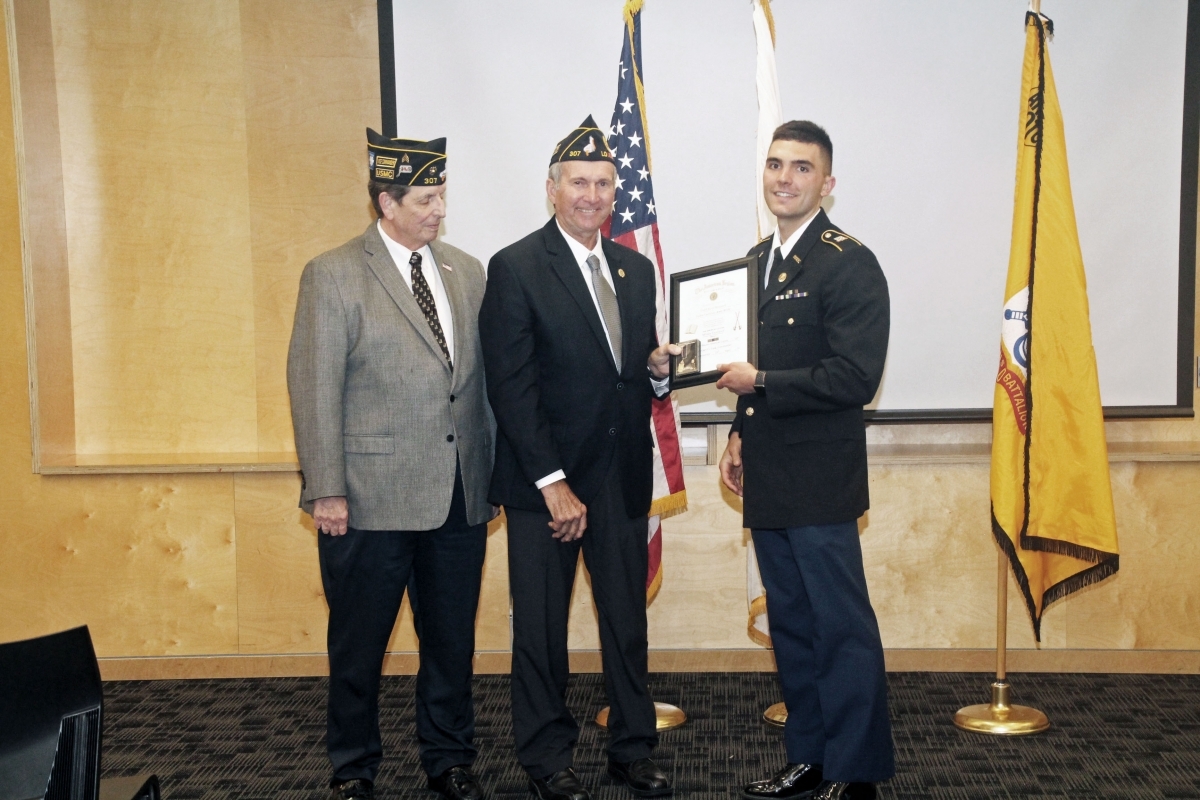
[[796, 259], [621, 272], [782, 277]]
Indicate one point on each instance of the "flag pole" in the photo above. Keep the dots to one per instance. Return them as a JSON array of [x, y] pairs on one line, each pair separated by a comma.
[[1000, 717], [629, 89]]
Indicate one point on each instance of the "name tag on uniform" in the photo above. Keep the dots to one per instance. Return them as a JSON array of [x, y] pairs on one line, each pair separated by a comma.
[[790, 294]]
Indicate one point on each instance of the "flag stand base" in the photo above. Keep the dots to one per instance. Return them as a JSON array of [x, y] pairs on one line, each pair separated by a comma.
[[667, 717], [1001, 718], [776, 715]]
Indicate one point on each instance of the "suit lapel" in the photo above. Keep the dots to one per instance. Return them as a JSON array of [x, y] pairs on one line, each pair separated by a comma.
[[793, 262], [763, 251], [386, 271], [451, 276], [562, 260]]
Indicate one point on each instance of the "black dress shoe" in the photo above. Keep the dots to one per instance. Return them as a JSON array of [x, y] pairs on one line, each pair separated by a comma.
[[354, 789], [643, 777], [562, 785], [456, 783], [793, 781], [840, 790]]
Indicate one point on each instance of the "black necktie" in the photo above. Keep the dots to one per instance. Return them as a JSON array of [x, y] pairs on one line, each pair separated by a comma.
[[424, 298], [776, 263]]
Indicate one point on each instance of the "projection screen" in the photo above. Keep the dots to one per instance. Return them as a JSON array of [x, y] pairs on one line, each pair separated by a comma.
[[921, 101]]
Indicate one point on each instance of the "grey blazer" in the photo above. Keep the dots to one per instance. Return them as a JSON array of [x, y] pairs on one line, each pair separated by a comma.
[[379, 417]]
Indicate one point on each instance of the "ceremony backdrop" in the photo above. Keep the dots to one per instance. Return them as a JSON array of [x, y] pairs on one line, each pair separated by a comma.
[[918, 98], [178, 163]]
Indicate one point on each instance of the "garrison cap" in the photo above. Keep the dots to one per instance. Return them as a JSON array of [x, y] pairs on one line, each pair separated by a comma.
[[585, 143], [406, 162]]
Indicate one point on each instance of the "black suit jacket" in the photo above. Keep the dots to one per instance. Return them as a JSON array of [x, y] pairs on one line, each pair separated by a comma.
[[822, 340], [552, 382]]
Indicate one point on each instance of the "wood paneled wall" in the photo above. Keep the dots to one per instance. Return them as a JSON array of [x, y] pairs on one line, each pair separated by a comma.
[[194, 193], [152, 120]]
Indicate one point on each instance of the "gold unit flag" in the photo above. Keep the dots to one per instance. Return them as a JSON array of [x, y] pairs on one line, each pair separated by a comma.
[[1052, 509]]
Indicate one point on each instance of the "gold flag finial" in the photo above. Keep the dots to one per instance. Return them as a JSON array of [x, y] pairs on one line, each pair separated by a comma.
[[766, 7]]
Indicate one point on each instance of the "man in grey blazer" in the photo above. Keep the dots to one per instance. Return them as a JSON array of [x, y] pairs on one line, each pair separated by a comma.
[[395, 439]]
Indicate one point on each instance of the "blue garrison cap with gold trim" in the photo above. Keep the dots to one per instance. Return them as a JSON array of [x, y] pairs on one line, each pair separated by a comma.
[[585, 143], [406, 161]]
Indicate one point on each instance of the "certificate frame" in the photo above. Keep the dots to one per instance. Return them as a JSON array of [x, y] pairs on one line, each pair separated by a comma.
[[687, 368]]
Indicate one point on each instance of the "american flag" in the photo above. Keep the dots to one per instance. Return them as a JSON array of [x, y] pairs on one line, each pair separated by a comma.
[[634, 223]]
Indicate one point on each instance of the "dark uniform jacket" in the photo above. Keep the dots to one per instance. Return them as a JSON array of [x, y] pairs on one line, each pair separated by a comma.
[[554, 387], [822, 340]]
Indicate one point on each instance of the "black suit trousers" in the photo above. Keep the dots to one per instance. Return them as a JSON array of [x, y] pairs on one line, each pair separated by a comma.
[[827, 650], [364, 574], [541, 576]]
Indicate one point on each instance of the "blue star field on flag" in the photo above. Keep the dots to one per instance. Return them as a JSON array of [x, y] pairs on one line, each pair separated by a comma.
[[634, 207]]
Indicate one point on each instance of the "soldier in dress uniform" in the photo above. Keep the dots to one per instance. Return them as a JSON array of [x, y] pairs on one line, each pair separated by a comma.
[[797, 455]]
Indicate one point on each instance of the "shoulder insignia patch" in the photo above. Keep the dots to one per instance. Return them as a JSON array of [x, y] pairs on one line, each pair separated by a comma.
[[838, 239]]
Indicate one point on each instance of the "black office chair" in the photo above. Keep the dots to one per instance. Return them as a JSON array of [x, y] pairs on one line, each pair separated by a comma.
[[51, 713]]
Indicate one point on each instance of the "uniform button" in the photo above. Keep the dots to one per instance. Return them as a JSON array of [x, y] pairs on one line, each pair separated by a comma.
[[760, 322], [750, 412], [790, 320], [451, 398], [612, 431], [620, 386], [450, 438]]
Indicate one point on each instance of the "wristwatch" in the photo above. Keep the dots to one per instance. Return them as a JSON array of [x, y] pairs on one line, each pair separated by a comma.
[[760, 380]]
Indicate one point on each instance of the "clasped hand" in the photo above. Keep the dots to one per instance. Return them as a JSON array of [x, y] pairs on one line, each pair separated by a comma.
[[568, 515]]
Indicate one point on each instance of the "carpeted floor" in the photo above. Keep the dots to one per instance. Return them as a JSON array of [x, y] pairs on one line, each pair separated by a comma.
[[1111, 736]]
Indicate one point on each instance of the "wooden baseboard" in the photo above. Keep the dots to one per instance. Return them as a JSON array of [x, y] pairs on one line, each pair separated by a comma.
[[1177, 662], [300, 665], [1184, 662]]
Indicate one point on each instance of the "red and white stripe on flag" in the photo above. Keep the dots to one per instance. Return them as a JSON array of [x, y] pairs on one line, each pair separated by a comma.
[[634, 223]]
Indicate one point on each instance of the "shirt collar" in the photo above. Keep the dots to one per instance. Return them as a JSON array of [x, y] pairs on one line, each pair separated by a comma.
[[787, 246], [578, 250], [400, 254]]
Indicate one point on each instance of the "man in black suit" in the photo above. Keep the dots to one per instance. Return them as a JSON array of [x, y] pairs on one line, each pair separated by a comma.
[[797, 455], [572, 360]]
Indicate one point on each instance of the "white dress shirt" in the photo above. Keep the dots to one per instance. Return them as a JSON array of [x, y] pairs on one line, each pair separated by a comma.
[[786, 246], [432, 272], [581, 254]]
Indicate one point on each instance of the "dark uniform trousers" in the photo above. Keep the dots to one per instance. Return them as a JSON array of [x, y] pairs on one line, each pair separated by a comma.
[[827, 650], [364, 574], [541, 575]]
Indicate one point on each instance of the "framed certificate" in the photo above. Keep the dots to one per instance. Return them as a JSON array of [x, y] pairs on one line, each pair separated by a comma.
[[713, 310]]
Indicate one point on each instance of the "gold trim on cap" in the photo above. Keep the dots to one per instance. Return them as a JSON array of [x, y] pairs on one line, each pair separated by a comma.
[[404, 150], [582, 132], [419, 172]]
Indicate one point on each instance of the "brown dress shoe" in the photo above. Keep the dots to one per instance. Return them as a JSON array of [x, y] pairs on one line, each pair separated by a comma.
[[793, 781]]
